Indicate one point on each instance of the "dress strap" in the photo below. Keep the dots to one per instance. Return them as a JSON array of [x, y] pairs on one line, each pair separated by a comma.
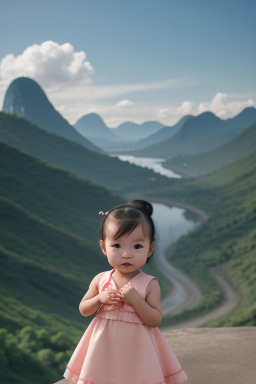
[[141, 281], [104, 280]]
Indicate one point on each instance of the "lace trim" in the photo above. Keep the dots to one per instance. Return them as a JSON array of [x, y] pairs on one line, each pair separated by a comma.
[[92, 382]]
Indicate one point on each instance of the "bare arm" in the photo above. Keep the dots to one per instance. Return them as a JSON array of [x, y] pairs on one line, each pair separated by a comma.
[[92, 300], [149, 310]]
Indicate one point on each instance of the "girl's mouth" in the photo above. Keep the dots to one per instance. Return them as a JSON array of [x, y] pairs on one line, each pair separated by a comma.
[[126, 264]]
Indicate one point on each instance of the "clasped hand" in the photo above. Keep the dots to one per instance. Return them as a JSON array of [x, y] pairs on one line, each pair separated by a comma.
[[125, 294]]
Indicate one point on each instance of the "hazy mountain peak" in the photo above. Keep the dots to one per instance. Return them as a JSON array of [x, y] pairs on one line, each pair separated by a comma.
[[24, 97], [19, 94], [91, 117], [93, 126], [207, 115], [201, 133], [133, 131]]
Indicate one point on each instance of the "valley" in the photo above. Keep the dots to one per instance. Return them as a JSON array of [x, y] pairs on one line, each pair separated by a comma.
[[52, 188]]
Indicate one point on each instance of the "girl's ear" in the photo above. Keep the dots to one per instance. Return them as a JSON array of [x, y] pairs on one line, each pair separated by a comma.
[[103, 247], [151, 249]]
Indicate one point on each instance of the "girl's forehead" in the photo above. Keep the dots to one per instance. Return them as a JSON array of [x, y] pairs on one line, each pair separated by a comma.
[[112, 226]]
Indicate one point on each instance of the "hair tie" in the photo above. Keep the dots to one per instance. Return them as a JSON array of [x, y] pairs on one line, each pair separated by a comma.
[[103, 213]]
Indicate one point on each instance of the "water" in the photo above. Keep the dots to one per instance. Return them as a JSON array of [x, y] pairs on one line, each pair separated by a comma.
[[151, 163], [170, 221], [171, 224]]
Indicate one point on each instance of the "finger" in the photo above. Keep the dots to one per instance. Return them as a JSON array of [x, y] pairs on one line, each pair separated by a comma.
[[114, 299]]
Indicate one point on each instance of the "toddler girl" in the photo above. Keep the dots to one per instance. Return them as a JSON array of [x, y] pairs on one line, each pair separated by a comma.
[[122, 344]]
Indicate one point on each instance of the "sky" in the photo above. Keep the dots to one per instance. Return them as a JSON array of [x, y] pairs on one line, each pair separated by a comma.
[[136, 60]]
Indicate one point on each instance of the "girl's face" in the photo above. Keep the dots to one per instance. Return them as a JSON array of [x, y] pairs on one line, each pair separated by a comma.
[[130, 252]]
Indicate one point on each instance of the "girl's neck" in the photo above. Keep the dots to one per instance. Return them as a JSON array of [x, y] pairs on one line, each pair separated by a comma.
[[122, 276]]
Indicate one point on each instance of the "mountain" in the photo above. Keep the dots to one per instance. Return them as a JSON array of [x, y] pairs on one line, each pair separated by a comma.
[[92, 126], [121, 138], [133, 132], [240, 146], [200, 134], [243, 120], [24, 97], [163, 134], [101, 169]]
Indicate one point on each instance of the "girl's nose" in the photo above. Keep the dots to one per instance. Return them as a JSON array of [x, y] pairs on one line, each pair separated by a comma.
[[126, 254]]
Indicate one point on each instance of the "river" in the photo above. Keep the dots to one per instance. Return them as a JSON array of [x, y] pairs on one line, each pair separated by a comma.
[[171, 225], [151, 163]]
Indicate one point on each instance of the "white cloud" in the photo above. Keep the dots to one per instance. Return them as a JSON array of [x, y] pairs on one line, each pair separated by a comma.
[[79, 97], [50, 64], [141, 112], [186, 108], [170, 115], [66, 77], [125, 103], [113, 115], [225, 105], [222, 105], [164, 113]]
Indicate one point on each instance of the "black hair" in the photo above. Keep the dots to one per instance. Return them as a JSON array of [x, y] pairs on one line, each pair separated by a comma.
[[131, 214]]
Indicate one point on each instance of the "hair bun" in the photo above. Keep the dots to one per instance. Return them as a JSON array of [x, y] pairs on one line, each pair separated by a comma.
[[142, 205]]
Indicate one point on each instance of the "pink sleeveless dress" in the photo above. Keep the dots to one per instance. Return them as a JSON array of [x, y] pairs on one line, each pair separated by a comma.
[[118, 348]]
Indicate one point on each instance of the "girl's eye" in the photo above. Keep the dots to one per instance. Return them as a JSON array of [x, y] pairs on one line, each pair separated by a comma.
[[116, 245], [138, 246]]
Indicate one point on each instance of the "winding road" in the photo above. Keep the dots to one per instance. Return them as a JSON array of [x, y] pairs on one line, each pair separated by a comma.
[[231, 301], [184, 293]]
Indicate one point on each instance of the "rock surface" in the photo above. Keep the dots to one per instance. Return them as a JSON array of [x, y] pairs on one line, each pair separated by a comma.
[[214, 355]]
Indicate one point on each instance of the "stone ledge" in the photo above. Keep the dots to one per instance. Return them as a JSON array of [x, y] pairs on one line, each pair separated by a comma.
[[214, 355]]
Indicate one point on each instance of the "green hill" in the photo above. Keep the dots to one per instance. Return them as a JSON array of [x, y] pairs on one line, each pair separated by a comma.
[[50, 216], [217, 158], [102, 169], [49, 254], [227, 241]]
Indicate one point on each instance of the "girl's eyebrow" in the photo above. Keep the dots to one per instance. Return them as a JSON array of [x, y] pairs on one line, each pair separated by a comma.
[[138, 240]]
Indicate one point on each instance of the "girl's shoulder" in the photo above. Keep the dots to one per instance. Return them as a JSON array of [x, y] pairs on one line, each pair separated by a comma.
[[144, 277], [99, 279], [142, 283], [150, 282], [101, 274]]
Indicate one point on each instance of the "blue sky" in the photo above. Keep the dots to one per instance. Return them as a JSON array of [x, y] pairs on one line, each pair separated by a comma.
[[133, 60]]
